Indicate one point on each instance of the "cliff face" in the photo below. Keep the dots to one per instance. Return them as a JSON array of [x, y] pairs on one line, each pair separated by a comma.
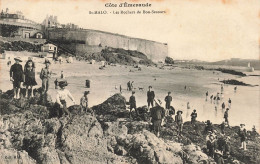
[[91, 40], [30, 133]]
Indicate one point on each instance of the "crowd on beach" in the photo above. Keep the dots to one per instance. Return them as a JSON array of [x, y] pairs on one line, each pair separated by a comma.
[[218, 147]]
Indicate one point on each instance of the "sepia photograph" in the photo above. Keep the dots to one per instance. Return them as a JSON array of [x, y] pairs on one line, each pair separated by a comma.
[[129, 82]]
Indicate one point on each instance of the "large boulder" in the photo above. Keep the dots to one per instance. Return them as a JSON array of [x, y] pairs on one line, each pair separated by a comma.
[[147, 148], [82, 141], [115, 105]]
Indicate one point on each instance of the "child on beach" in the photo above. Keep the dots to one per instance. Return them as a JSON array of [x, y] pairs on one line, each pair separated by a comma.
[[29, 60], [16, 76], [84, 101], [62, 96], [29, 73], [45, 76]]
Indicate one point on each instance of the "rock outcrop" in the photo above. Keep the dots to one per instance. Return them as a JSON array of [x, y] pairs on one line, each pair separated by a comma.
[[31, 133]]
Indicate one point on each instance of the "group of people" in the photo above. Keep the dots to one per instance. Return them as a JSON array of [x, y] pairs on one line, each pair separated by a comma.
[[219, 146], [158, 113], [18, 75]]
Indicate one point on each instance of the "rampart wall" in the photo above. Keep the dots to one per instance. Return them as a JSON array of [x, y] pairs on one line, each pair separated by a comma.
[[91, 40]]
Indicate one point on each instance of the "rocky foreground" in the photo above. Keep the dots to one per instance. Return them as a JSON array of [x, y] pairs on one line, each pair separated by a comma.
[[31, 133]]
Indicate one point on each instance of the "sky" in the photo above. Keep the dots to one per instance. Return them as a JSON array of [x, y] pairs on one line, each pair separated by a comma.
[[208, 30]]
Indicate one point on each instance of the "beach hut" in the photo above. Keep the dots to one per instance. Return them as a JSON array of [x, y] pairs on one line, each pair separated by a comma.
[[50, 48]]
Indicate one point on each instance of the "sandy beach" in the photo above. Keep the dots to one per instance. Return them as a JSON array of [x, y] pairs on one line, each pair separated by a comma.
[[104, 83]]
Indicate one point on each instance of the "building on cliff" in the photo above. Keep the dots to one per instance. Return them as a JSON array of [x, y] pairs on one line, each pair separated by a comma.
[[82, 41], [16, 25]]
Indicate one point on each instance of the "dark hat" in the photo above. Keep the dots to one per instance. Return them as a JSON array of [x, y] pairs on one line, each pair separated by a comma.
[[227, 109], [179, 111], [86, 93], [169, 92], [18, 59], [150, 86], [133, 92], [194, 110], [63, 83], [208, 121]]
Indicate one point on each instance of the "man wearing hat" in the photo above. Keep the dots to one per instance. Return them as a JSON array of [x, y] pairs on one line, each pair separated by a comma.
[[45, 76], [168, 100], [208, 126], [132, 103], [193, 116], [16, 76], [84, 101], [226, 116], [179, 121], [150, 97], [62, 96], [157, 114]]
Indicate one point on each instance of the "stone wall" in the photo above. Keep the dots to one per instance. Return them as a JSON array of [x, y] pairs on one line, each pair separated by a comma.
[[91, 39]]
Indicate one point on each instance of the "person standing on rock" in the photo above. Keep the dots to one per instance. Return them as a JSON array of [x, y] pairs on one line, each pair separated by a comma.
[[16, 76], [150, 97], [132, 103], [157, 114], [120, 88], [242, 134], [179, 121], [193, 116], [168, 100], [84, 102], [208, 127], [211, 145], [29, 73], [45, 75], [226, 116], [62, 96]]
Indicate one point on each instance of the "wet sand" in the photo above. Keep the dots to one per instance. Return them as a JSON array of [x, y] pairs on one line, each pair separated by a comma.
[[245, 102]]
